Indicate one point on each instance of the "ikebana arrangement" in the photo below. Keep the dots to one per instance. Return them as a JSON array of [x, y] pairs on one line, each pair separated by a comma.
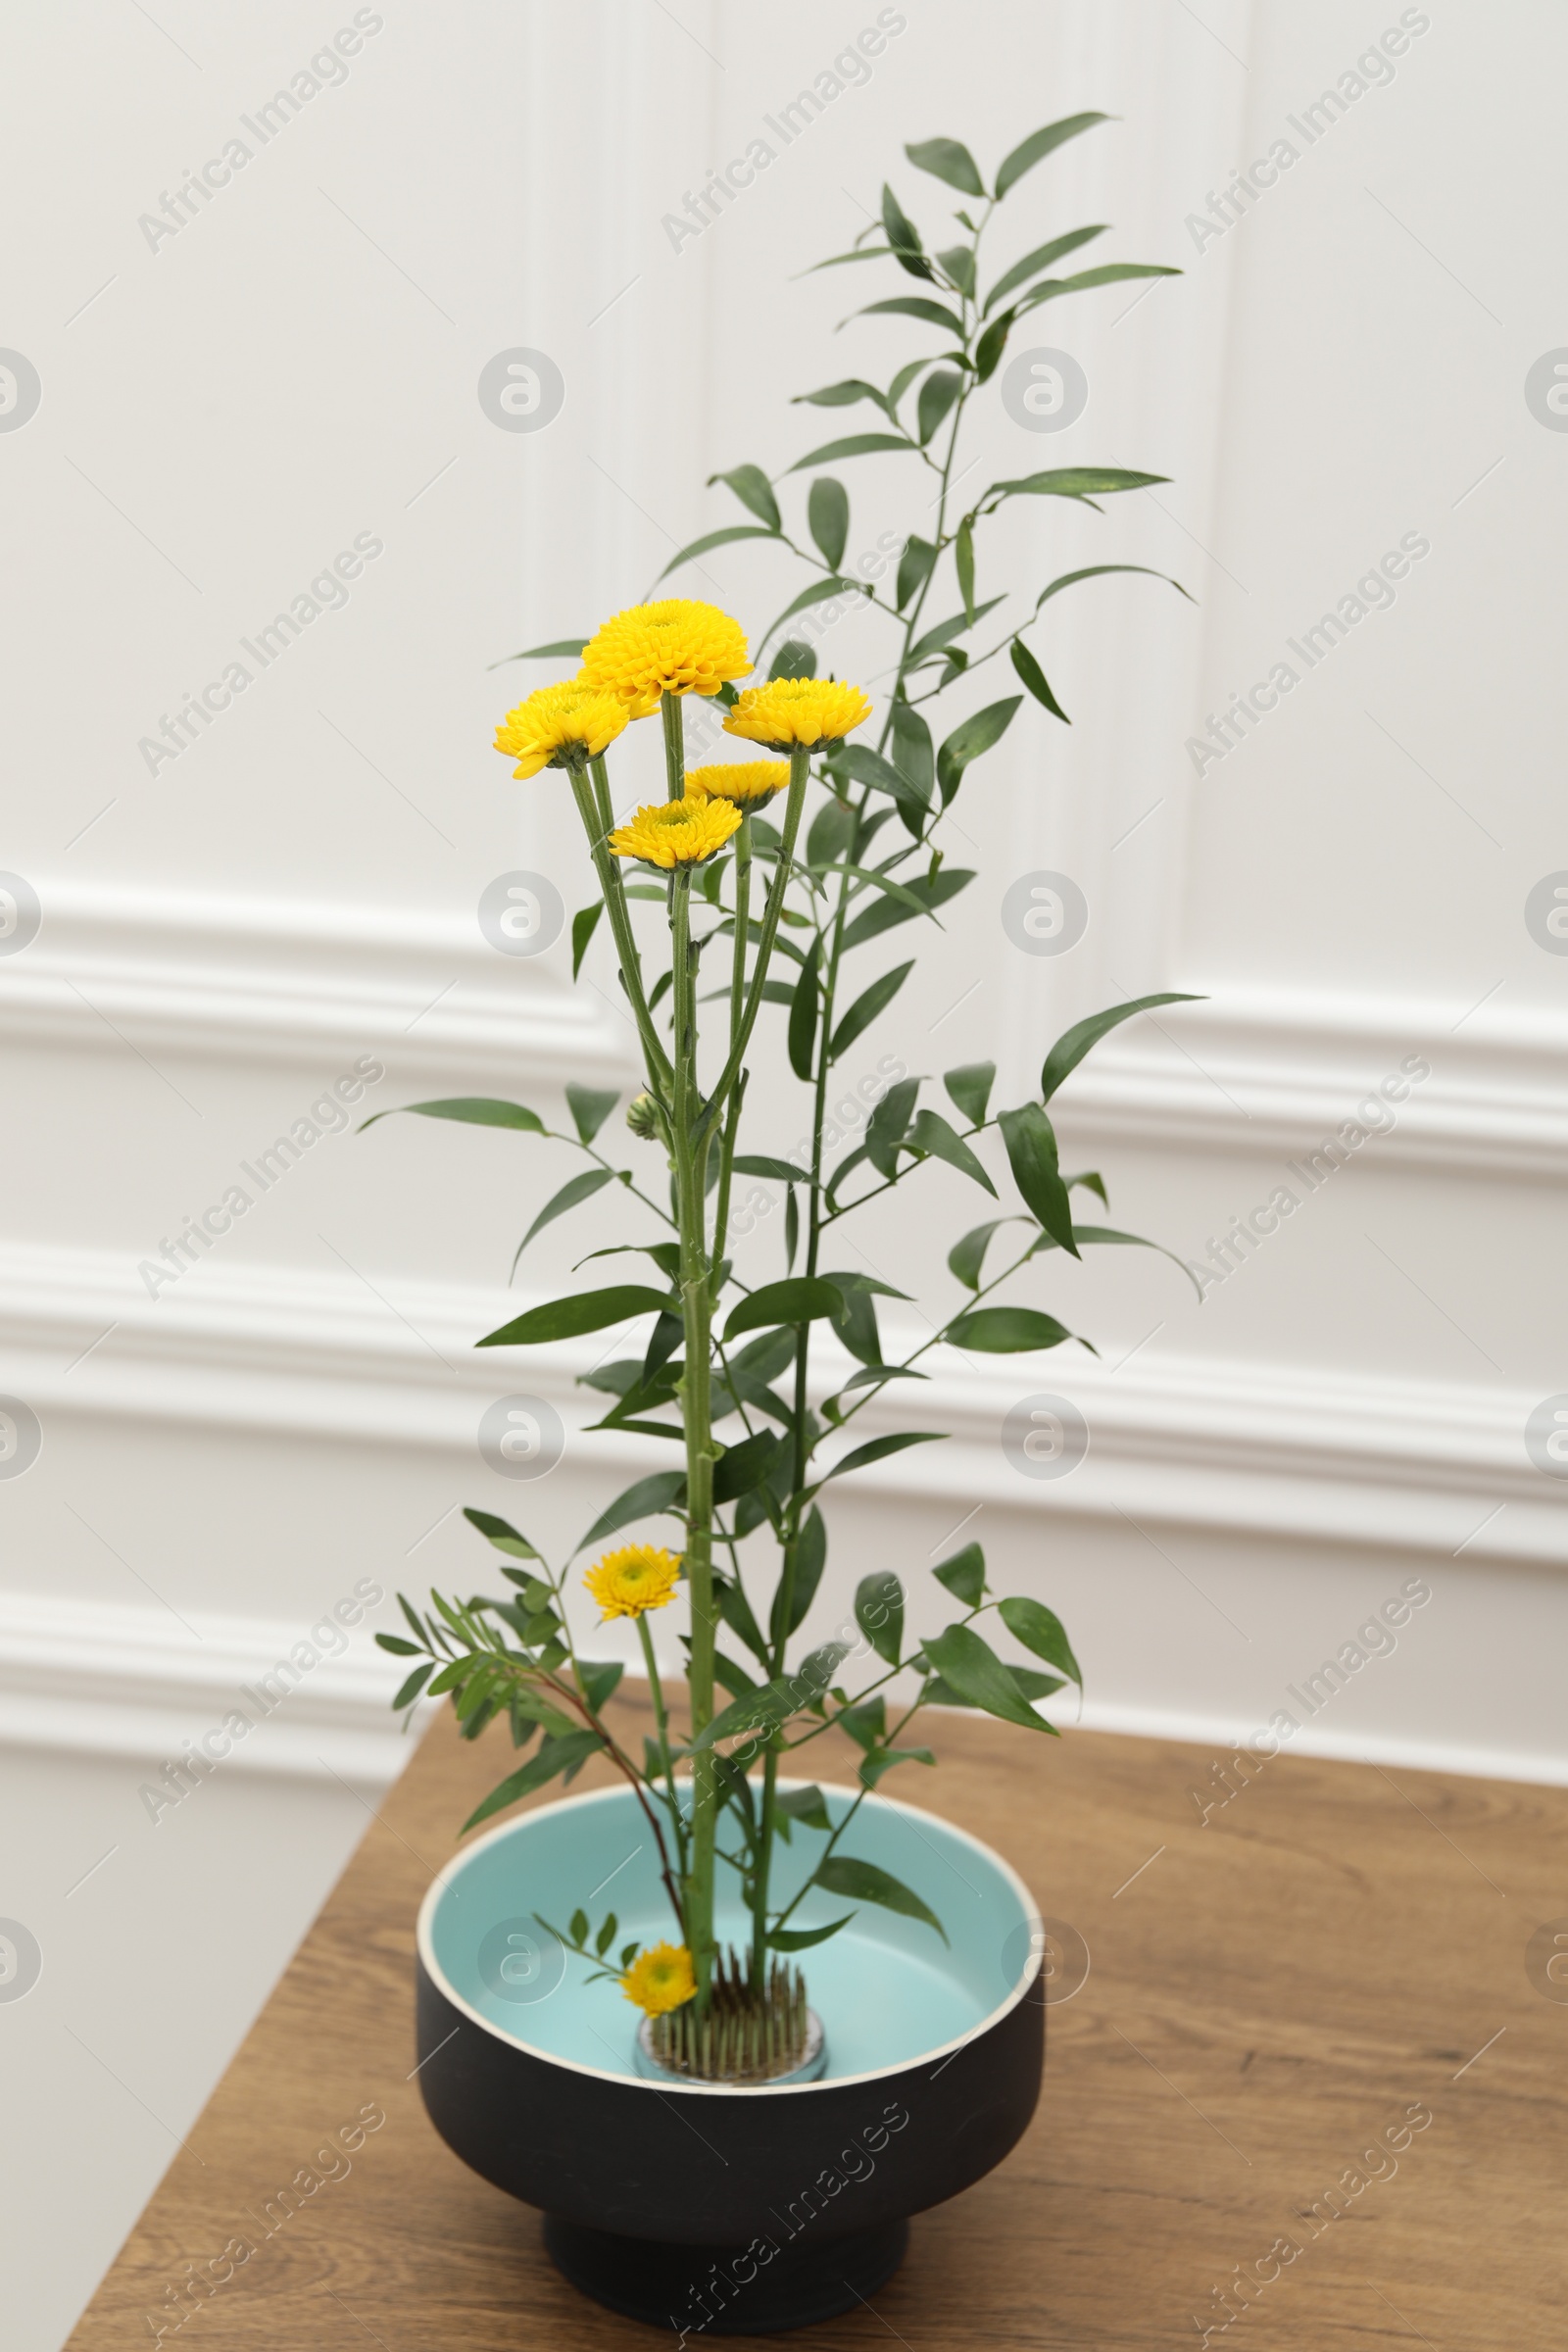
[[753, 885]]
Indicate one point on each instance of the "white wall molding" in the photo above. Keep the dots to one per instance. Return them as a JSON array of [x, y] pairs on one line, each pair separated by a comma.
[[1243, 1448], [85, 1678], [1250, 1071], [259, 980]]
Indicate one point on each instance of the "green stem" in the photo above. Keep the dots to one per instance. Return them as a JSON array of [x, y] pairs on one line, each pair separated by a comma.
[[656, 1692], [696, 1415], [673, 720], [609, 885], [800, 769], [737, 1007]]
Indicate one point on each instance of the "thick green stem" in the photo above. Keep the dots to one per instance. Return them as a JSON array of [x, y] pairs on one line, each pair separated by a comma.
[[696, 1414]]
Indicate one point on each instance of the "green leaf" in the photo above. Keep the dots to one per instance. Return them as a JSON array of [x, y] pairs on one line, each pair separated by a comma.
[[969, 1089], [1075, 481], [882, 1761], [568, 1318], [937, 395], [800, 1301], [903, 239], [584, 924], [991, 346], [860, 253], [889, 1124], [865, 1008], [591, 1106], [1042, 257], [817, 593], [743, 1467], [1031, 1142], [966, 1258], [1025, 1681], [561, 1754], [575, 1189], [807, 1806], [474, 1111], [969, 738], [398, 1646], [973, 1669], [805, 1004], [665, 1491], [1007, 1330], [752, 489], [761, 1163], [914, 568], [1041, 1630], [862, 765], [410, 1689], [606, 1934], [1039, 144], [865, 1723], [810, 1557], [599, 1677], [866, 1883], [858, 445], [1110, 273], [879, 1613], [732, 1678], [1130, 1241], [827, 511], [1093, 572], [964, 1575], [932, 1132], [800, 1940], [959, 262], [830, 833], [1074, 1042], [948, 160], [502, 1535], [912, 749], [568, 649], [914, 306], [963, 560], [877, 1450], [724, 538], [1034, 677], [794, 659], [841, 395], [777, 1701], [931, 640]]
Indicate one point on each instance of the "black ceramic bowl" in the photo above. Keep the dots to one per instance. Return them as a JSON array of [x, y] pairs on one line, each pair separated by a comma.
[[702, 2207]]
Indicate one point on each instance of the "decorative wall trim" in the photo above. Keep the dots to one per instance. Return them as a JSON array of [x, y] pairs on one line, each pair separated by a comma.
[[1276, 1074], [1252, 1072], [257, 980], [1243, 1448], [88, 1680]]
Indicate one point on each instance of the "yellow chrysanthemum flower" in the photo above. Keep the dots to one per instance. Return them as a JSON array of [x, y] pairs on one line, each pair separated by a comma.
[[630, 1582], [813, 710], [677, 833], [674, 646], [560, 726], [748, 785], [661, 1980]]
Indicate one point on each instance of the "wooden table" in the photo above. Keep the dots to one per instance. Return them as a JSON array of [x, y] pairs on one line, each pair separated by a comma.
[[1270, 1993]]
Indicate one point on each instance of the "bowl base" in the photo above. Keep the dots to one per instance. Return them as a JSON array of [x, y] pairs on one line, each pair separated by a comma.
[[726, 2290]]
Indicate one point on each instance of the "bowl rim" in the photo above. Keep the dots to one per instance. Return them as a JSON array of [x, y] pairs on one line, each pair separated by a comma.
[[425, 1944]]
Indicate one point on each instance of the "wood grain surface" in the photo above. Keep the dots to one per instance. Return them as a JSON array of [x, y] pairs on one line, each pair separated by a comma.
[[1270, 1994]]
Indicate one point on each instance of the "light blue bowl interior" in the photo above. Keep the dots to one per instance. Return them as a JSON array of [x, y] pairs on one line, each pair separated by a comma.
[[887, 1988]]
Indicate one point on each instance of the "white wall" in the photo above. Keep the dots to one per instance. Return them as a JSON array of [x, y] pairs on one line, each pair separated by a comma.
[[222, 412]]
